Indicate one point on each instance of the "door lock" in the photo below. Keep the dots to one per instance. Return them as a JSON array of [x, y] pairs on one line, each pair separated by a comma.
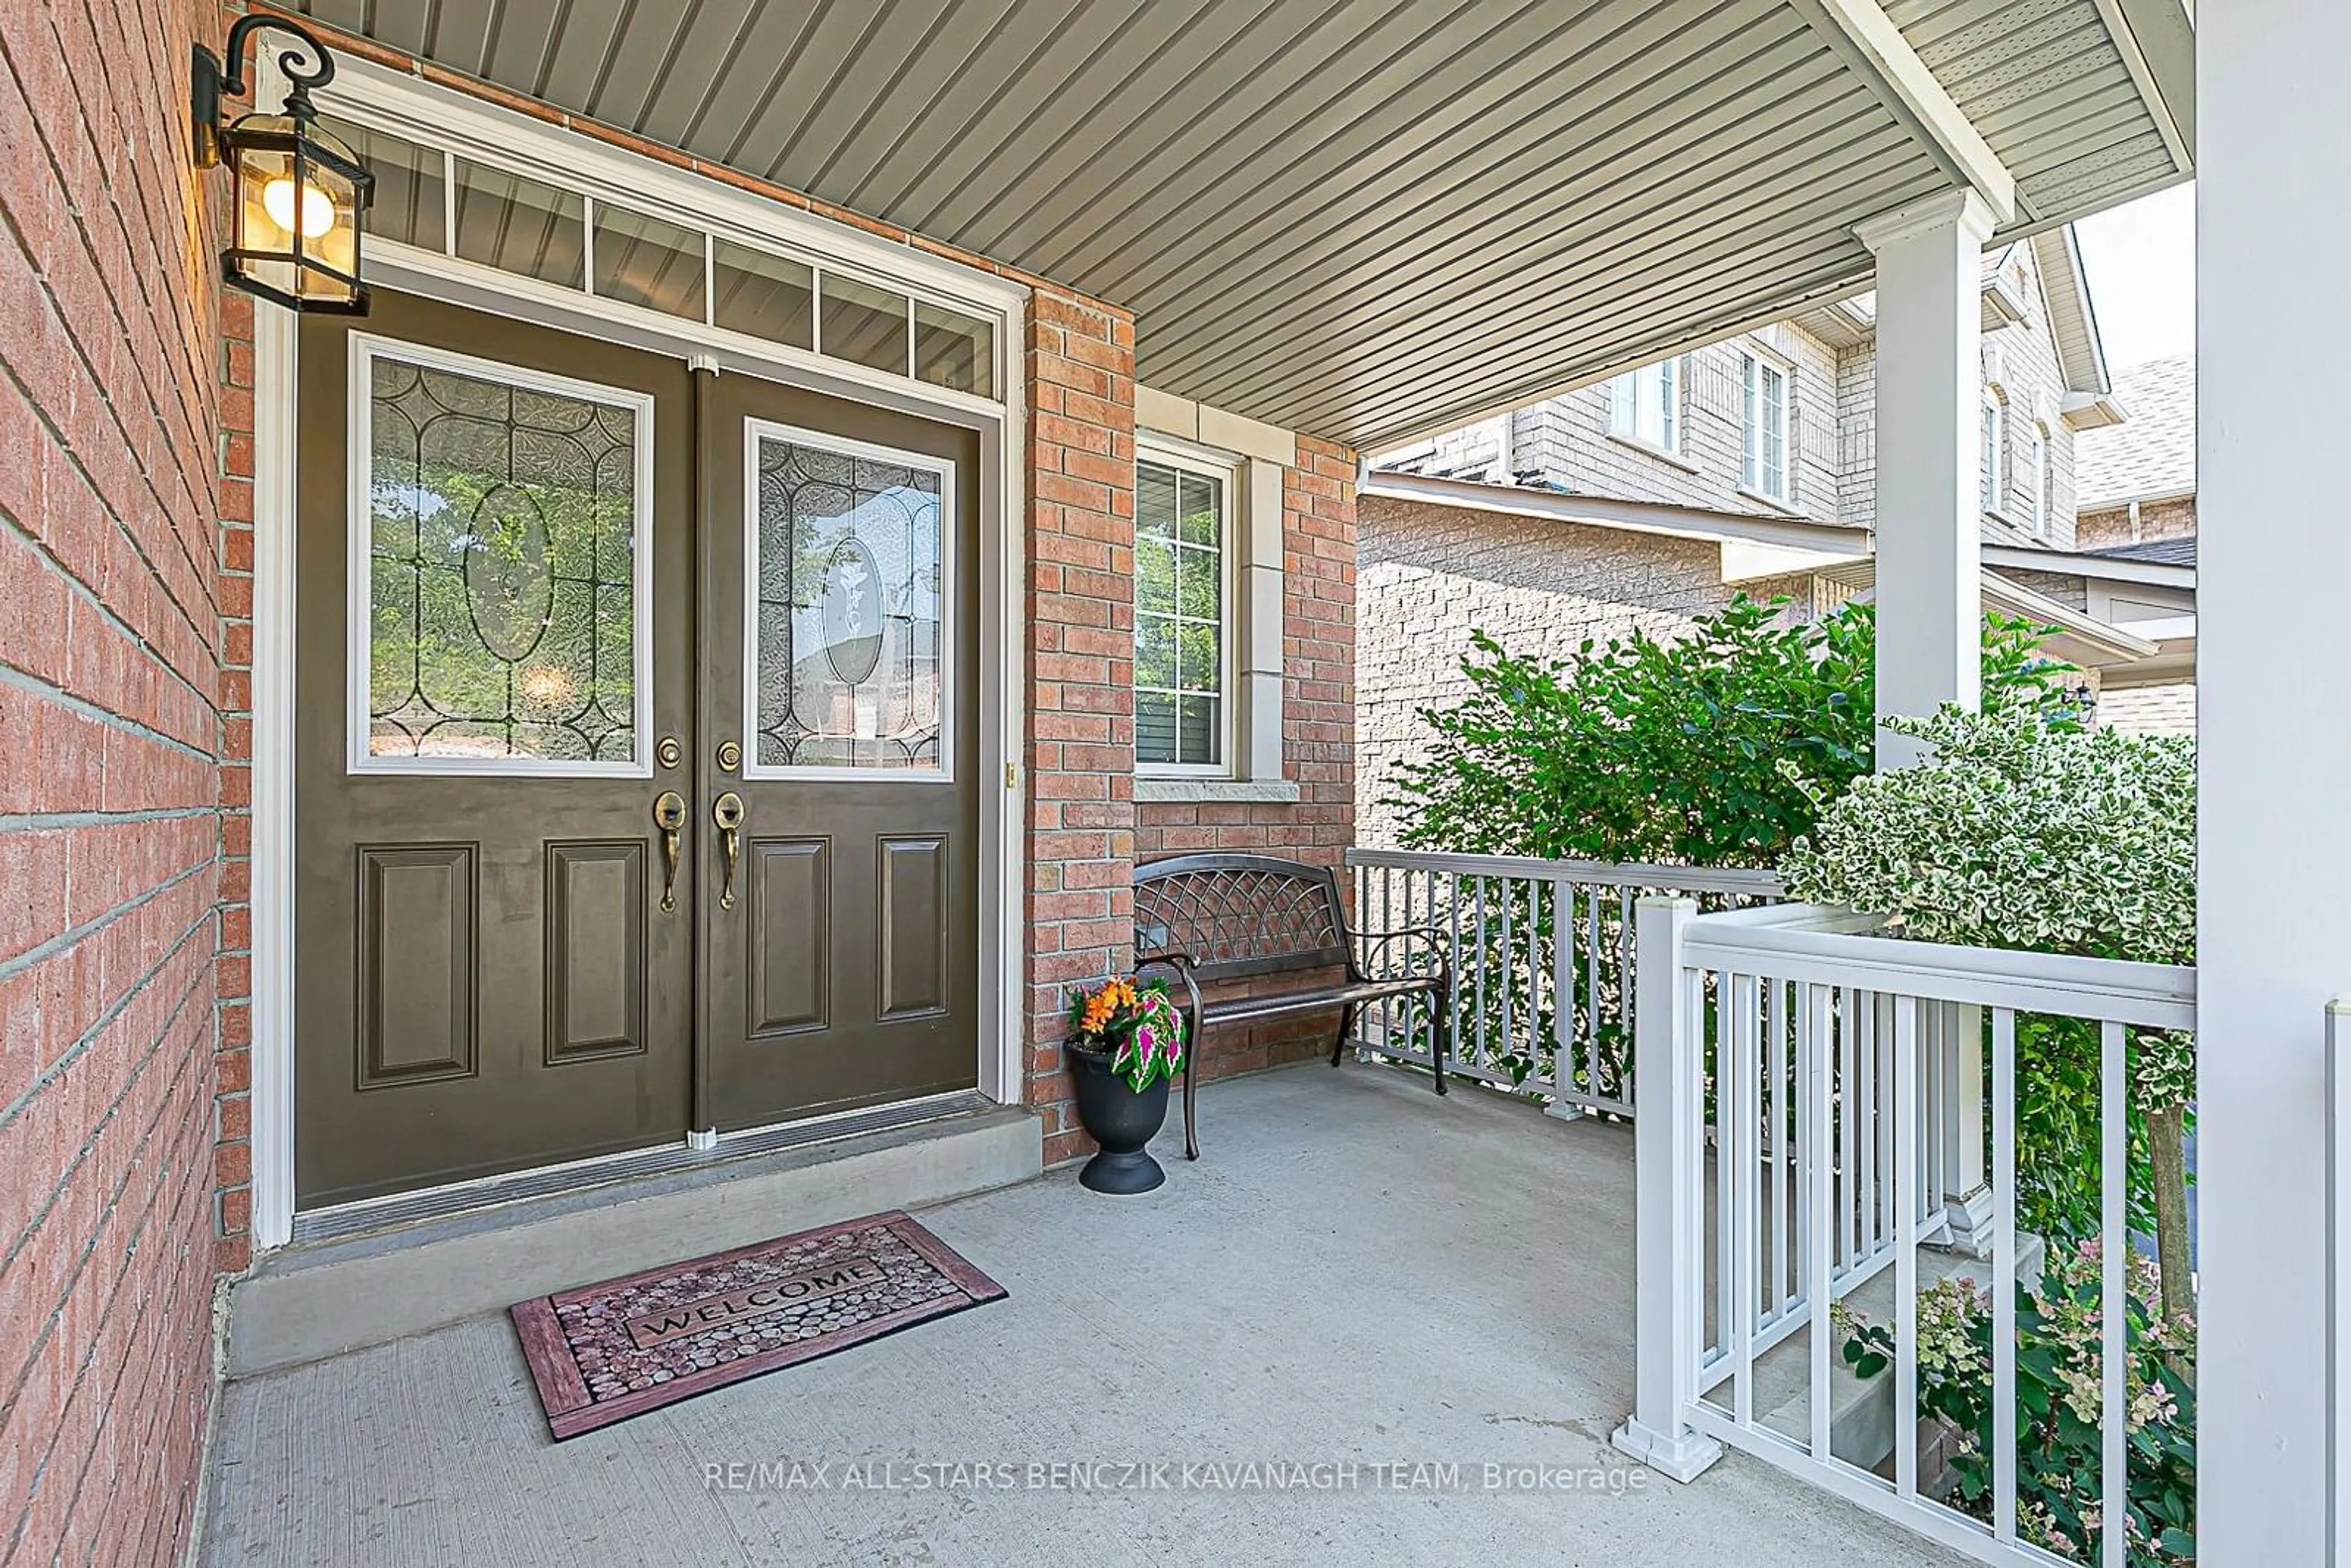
[[730, 756], [726, 813], [669, 816]]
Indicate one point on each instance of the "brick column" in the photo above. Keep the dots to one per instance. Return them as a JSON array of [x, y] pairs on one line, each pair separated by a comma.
[[110, 698], [1080, 608]]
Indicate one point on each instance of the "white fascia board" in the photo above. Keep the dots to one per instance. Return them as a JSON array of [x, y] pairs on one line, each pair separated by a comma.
[[1615, 512], [2073, 563]]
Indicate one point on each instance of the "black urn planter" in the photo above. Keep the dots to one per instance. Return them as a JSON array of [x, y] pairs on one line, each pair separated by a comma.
[[1122, 1121]]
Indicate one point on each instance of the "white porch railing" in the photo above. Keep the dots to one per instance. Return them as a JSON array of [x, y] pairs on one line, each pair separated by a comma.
[[1756, 1212], [1541, 953]]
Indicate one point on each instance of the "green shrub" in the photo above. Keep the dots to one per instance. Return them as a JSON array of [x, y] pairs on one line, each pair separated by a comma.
[[1714, 749]]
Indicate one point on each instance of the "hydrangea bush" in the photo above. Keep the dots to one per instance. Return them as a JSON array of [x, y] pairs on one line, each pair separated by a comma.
[[2061, 1402]]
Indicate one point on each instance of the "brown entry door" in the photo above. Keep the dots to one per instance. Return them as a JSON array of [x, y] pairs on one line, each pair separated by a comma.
[[839, 708], [495, 580]]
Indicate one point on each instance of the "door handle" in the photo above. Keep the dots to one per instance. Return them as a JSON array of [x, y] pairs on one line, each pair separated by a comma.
[[727, 811], [669, 816]]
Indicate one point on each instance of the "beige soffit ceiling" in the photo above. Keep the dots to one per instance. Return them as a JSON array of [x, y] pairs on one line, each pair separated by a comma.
[[1371, 220]]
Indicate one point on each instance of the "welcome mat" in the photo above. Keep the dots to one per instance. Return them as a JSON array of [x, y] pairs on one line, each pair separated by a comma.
[[604, 1352]]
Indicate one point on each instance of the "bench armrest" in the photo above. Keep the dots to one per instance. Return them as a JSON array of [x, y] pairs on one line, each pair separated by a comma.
[[1383, 941], [1182, 963]]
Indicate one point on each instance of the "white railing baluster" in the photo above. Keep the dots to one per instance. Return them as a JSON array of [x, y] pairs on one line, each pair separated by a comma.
[[2338, 1282], [1819, 1193], [2003, 1273], [1776, 1121], [1905, 1258], [1746, 1128], [1510, 965], [1562, 992], [2114, 1299], [1848, 1150]]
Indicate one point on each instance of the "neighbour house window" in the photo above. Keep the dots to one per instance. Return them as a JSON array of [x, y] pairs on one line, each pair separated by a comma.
[[1993, 463], [2036, 478], [1763, 467], [1182, 647], [1646, 405]]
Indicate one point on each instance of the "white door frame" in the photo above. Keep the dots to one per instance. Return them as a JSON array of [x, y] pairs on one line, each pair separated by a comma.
[[570, 158]]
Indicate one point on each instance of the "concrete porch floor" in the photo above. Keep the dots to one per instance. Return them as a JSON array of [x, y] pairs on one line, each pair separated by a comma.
[[1354, 1272]]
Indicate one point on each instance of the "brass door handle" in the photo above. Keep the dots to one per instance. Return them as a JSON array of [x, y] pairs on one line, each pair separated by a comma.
[[669, 816], [727, 811]]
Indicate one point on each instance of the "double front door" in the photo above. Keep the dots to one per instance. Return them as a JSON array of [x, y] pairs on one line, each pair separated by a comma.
[[636, 752]]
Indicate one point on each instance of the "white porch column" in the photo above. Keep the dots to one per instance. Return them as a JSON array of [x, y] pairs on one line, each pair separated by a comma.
[[1929, 590], [1929, 389], [2274, 845]]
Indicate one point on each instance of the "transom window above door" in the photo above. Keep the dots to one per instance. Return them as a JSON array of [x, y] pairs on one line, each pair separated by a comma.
[[1182, 588], [500, 579], [439, 200]]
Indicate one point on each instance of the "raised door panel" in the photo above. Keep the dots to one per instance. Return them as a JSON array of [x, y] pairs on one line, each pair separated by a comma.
[[416, 965], [595, 950], [910, 907], [790, 936]]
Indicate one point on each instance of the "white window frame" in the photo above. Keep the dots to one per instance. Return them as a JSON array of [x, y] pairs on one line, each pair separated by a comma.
[[1992, 454], [366, 348], [1654, 390], [757, 430], [1753, 365], [1230, 476]]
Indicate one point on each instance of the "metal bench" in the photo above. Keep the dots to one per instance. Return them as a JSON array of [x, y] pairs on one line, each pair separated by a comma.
[[1209, 918]]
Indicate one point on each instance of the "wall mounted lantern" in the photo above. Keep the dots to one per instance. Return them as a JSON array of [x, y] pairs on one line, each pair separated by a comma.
[[295, 229]]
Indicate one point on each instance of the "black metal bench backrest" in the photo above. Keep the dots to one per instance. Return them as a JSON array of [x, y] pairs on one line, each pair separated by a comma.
[[1240, 915]]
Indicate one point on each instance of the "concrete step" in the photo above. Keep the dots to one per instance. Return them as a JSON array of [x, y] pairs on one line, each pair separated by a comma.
[[314, 1299]]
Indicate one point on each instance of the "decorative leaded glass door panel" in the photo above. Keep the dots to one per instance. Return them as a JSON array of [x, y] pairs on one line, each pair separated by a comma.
[[495, 576], [841, 610]]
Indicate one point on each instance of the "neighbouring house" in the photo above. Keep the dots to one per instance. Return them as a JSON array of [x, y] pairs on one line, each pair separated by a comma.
[[1742, 467], [2137, 510]]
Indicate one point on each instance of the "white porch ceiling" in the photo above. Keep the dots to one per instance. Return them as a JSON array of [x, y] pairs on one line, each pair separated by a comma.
[[1363, 219]]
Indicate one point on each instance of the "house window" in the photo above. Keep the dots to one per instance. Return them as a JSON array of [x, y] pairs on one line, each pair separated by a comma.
[[1645, 405], [1182, 590], [2036, 478], [1993, 462], [1763, 467]]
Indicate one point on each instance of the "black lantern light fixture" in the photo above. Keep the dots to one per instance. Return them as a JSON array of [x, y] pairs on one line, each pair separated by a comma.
[[295, 228]]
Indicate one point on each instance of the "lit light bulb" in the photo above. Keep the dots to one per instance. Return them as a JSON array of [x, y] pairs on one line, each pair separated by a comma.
[[317, 207]]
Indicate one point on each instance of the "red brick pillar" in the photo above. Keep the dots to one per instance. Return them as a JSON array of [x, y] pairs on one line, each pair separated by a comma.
[[1080, 608]]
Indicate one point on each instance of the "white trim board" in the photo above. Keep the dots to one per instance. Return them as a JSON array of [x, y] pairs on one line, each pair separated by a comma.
[[647, 185]]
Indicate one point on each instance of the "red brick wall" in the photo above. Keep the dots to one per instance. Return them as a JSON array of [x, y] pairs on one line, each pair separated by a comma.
[[110, 721], [1318, 735], [1081, 609]]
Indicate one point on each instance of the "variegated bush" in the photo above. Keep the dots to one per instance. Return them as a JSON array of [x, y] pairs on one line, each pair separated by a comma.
[[2015, 835]]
